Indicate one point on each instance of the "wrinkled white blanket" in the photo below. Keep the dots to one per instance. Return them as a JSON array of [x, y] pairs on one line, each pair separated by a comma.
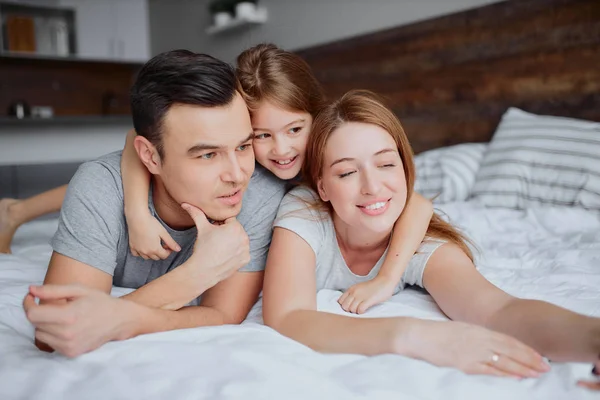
[[549, 254]]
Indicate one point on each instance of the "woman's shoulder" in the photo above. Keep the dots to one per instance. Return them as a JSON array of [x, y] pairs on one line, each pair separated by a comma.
[[302, 203], [302, 212], [302, 194]]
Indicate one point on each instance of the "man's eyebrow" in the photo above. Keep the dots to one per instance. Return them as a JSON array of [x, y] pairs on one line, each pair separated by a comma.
[[291, 123], [250, 137], [203, 146]]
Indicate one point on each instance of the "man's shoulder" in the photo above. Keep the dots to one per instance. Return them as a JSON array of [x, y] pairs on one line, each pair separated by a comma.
[[103, 170], [91, 219], [110, 161]]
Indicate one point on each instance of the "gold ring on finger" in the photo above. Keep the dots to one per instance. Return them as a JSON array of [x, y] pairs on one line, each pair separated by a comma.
[[495, 358]]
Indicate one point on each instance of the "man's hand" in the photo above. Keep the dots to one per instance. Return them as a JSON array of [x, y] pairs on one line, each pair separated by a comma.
[[85, 321], [219, 251]]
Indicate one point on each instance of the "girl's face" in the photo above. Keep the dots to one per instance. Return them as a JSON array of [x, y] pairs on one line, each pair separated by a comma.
[[363, 177], [280, 139]]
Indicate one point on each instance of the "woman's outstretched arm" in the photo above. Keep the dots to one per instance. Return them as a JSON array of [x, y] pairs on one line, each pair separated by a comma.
[[465, 295]]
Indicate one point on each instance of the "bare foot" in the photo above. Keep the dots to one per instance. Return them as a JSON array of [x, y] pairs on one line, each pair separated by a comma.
[[8, 224]]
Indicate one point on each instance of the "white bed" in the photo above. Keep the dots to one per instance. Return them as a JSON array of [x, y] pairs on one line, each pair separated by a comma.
[[544, 253]]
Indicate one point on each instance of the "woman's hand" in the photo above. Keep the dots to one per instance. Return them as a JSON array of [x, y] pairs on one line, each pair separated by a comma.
[[146, 237], [362, 296], [475, 350], [593, 383]]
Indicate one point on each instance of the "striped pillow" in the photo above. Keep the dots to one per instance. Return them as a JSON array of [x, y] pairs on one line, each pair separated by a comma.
[[448, 173], [534, 160]]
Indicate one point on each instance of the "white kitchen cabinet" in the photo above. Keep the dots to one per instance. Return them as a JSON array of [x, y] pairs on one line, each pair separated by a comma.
[[94, 28], [111, 29], [132, 33]]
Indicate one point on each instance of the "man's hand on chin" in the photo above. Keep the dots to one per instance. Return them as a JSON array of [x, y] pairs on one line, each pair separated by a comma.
[[88, 319]]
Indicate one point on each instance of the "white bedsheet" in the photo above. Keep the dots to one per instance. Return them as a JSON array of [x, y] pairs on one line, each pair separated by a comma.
[[549, 254]]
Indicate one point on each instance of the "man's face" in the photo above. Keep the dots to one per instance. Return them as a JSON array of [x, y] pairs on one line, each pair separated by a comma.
[[208, 158]]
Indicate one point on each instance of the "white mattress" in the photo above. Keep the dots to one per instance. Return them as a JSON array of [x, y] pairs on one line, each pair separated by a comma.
[[548, 254]]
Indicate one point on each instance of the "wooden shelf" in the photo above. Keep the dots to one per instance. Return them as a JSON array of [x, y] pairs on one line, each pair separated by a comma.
[[16, 55], [236, 23]]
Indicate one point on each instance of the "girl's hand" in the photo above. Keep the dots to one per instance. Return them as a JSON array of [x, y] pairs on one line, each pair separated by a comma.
[[362, 296], [476, 350], [146, 238]]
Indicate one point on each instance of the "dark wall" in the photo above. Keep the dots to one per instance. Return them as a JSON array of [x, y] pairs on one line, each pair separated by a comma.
[[450, 79]]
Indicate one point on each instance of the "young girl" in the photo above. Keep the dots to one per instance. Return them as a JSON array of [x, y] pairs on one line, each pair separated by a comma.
[[335, 231], [283, 97]]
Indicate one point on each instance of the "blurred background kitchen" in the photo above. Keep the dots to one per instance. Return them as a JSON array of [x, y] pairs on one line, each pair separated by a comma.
[[66, 65]]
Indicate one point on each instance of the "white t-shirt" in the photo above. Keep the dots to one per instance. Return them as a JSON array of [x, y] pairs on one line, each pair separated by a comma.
[[317, 229]]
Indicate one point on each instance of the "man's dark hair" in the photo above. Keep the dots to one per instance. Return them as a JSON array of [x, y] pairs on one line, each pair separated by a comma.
[[177, 77]]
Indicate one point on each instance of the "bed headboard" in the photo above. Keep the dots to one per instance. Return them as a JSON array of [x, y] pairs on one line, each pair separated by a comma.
[[449, 79]]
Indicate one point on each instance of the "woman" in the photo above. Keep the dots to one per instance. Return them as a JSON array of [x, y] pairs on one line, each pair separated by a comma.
[[334, 232], [283, 96]]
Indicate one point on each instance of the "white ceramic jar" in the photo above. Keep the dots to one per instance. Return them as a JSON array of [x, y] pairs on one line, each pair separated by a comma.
[[245, 9], [222, 18]]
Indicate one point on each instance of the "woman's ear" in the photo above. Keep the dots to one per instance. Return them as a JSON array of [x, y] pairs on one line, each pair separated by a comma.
[[148, 154], [322, 192]]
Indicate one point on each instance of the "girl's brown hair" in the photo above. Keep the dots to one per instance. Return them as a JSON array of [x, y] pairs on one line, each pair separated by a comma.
[[266, 72], [364, 106]]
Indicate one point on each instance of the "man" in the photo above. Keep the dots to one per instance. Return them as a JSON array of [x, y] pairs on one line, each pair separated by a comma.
[[195, 138]]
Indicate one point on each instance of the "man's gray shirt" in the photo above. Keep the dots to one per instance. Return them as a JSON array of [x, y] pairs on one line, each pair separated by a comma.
[[92, 228]]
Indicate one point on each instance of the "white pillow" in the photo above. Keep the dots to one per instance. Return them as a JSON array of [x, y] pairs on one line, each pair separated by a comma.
[[534, 160], [448, 173]]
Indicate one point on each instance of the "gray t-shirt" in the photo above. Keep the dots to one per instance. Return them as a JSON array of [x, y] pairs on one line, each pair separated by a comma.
[[317, 229], [92, 228]]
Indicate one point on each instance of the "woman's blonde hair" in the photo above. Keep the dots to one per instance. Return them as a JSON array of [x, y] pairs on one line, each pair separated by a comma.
[[266, 72], [364, 106]]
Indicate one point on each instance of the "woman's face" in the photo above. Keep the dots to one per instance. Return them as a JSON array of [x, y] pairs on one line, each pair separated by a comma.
[[280, 139], [363, 177]]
